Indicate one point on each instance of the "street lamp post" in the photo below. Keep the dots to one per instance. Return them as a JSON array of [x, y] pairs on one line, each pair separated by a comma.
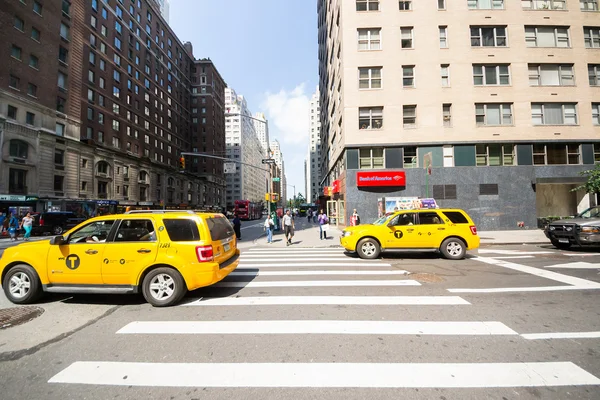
[[294, 186]]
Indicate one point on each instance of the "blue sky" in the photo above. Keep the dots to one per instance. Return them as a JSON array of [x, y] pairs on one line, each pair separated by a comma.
[[267, 51]]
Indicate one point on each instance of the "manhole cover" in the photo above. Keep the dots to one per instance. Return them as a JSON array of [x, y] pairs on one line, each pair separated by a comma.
[[18, 315], [424, 277]]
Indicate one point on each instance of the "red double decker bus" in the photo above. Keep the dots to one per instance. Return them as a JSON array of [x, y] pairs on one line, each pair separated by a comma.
[[245, 209]]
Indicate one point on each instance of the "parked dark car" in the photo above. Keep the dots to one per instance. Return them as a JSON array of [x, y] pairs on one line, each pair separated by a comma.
[[582, 230], [54, 222]]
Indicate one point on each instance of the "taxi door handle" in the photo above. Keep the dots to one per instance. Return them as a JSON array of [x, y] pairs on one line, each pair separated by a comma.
[[410, 230], [144, 251], [441, 229], [91, 251]]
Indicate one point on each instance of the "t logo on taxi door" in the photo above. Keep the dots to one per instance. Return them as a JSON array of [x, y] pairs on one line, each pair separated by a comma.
[[398, 234], [72, 261]]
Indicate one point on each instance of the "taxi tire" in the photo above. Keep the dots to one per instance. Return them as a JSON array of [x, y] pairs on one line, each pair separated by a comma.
[[35, 287], [446, 253], [179, 292], [362, 242]]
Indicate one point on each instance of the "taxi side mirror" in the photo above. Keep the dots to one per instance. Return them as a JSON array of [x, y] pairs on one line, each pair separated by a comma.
[[57, 240]]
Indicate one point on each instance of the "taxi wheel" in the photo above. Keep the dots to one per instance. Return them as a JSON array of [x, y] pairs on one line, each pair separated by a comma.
[[453, 248], [368, 248], [163, 287], [22, 284]]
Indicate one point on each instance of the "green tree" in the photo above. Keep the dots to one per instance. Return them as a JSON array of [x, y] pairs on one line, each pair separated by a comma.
[[592, 185]]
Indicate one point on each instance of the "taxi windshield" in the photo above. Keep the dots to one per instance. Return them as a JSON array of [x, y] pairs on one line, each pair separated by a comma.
[[381, 220]]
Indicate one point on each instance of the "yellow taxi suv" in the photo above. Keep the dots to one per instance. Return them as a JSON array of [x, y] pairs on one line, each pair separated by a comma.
[[449, 231], [160, 254]]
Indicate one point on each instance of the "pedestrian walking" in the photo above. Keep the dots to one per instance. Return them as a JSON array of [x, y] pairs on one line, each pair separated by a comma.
[[288, 227], [355, 219], [269, 226], [2, 219], [237, 227], [309, 215], [323, 225], [13, 225], [27, 224]]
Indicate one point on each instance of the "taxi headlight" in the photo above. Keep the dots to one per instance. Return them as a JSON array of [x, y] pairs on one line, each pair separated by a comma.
[[590, 229], [346, 233]]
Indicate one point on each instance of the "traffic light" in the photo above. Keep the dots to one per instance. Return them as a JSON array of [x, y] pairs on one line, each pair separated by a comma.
[[182, 162], [274, 197]]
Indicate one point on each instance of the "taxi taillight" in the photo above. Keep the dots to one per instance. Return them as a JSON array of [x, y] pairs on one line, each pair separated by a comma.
[[204, 253], [473, 229]]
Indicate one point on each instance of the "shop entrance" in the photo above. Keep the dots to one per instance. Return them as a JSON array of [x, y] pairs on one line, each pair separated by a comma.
[[336, 211]]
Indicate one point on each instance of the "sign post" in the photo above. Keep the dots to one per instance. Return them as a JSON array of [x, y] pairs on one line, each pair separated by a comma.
[[427, 163], [269, 162]]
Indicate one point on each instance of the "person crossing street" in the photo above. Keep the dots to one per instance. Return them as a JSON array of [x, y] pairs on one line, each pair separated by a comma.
[[288, 227]]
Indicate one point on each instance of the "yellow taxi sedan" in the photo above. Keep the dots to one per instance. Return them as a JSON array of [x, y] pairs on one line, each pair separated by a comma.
[[158, 253], [449, 231]]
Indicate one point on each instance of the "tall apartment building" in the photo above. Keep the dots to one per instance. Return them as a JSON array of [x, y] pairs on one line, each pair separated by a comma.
[[502, 96], [277, 154], [164, 7], [96, 105], [313, 160], [261, 126], [247, 183]]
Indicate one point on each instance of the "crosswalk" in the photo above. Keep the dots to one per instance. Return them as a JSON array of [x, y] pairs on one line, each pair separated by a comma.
[[320, 283]]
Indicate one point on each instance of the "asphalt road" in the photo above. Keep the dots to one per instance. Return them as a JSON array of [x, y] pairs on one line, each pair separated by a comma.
[[407, 326]]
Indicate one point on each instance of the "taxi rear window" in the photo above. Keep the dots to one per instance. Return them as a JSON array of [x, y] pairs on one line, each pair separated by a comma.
[[182, 230], [219, 228], [456, 217]]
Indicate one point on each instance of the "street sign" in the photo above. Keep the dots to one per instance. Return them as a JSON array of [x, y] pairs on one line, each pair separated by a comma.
[[276, 179], [268, 161], [229, 168]]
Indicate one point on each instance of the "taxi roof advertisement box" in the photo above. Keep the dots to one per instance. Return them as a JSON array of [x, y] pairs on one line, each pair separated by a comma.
[[380, 178]]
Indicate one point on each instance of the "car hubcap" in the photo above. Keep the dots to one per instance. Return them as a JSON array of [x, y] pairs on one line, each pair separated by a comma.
[[19, 285], [454, 249], [368, 249], [58, 230], [162, 287]]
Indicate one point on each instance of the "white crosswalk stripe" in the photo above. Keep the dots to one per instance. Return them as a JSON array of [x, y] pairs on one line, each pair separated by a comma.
[[266, 269]]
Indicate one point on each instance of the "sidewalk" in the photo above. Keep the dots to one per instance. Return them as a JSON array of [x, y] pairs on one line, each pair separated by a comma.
[[308, 236]]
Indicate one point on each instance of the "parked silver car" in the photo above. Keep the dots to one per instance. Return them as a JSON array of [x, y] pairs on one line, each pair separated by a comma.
[[582, 230]]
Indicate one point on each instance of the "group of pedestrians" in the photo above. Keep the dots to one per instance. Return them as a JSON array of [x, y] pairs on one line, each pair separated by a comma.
[[11, 224]]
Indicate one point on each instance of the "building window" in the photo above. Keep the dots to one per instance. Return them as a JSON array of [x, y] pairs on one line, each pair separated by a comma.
[[588, 5], [594, 74], [367, 5], [35, 34], [551, 75], [488, 36], [37, 7], [485, 4], [495, 155], [556, 154], [19, 24], [406, 34], [84, 186], [441, 4], [409, 116], [58, 183], [16, 52], [491, 75], [447, 115], [64, 31], [591, 37], [405, 5], [488, 189], [493, 114], [371, 158], [17, 181], [63, 55], [59, 157], [34, 62], [14, 82], [118, 43], [116, 125], [370, 117], [12, 112], [443, 37], [596, 113], [368, 78], [409, 158], [32, 90], [554, 113], [408, 76], [369, 39], [18, 149], [544, 4], [30, 118], [444, 192], [60, 129], [116, 142], [60, 104], [66, 7], [445, 74], [62, 80], [547, 36]]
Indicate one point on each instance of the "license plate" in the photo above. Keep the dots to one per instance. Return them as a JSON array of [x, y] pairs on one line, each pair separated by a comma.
[[226, 247], [563, 240]]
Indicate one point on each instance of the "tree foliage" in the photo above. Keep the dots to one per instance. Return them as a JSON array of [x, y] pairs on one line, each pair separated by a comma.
[[592, 185]]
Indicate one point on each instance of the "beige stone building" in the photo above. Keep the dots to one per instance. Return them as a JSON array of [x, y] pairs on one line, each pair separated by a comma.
[[503, 96]]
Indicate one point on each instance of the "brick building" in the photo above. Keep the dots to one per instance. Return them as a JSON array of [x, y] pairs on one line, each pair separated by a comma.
[[97, 102]]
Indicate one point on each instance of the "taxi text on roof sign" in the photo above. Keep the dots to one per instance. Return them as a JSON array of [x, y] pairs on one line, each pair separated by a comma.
[[383, 178]]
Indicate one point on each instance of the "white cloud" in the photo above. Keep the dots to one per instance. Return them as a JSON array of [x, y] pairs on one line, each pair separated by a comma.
[[287, 112]]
